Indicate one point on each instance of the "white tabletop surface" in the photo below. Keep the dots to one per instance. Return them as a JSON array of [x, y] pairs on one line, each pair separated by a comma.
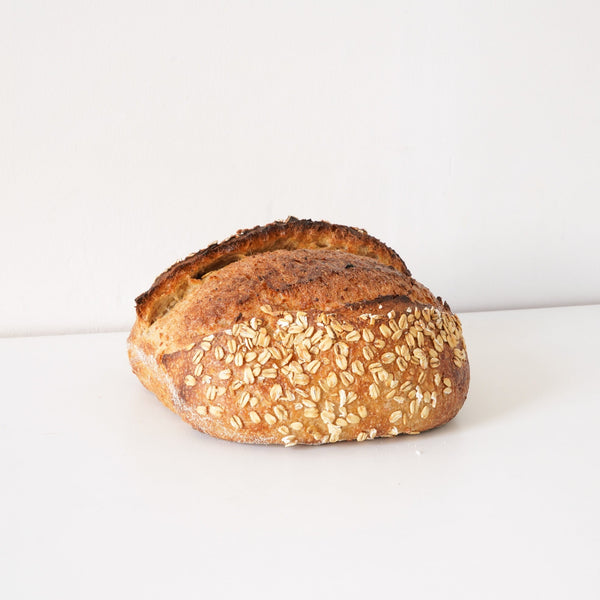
[[106, 494]]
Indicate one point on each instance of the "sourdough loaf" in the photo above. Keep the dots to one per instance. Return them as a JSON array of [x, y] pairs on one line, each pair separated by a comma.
[[299, 332]]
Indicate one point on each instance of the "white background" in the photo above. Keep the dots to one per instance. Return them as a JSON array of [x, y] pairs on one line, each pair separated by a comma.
[[463, 134]]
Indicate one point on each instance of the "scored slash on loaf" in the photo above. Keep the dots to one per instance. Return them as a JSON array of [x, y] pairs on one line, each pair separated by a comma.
[[299, 332]]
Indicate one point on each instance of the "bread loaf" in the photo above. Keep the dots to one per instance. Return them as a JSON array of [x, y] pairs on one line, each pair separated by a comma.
[[299, 332]]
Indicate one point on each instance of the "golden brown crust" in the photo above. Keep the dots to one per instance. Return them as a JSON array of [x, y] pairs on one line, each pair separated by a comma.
[[326, 339], [291, 234]]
